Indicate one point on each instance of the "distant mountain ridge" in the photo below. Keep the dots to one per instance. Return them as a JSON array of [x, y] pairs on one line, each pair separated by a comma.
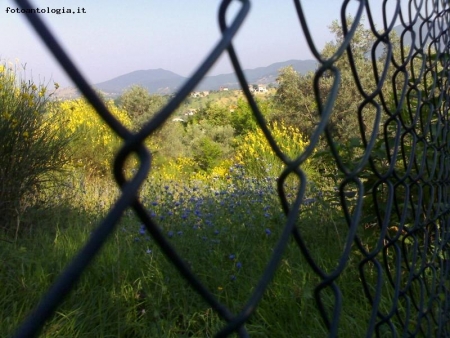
[[166, 82]]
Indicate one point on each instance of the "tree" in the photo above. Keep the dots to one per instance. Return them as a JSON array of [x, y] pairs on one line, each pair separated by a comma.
[[214, 113], [242, 119], [296, 101], [140, 104]]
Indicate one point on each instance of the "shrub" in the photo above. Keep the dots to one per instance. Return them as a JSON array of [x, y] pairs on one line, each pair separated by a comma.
[[32, 147], [255, 153], [93, 143]]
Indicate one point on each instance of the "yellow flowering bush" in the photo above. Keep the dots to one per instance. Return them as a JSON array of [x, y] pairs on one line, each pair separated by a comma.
[[175, 169], [32, 147], [93, 143], [258, 158]]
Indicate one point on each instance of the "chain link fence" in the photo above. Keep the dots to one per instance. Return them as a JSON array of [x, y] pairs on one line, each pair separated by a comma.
[[396, 189]]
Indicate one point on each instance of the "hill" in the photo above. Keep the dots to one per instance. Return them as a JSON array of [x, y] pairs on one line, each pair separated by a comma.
[[166, 82]]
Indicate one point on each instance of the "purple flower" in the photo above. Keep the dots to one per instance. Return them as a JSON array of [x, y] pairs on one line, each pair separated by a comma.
[[154, 204], [239, 265], [216, 232], [170, 234], [232, 257], [268, 232]]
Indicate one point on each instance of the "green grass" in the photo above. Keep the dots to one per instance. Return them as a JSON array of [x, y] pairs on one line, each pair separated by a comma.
[[225, 230]]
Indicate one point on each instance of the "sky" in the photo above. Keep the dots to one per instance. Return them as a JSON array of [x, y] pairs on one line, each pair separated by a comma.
[[115, 37]]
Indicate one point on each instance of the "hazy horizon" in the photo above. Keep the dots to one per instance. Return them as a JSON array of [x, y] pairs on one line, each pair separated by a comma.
[[115, 37]]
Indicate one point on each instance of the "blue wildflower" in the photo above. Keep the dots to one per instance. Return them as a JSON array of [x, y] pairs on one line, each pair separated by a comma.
[[216, 232], [170, 234], [154, 204], [239, 265], [233, 277], [268, 232], [232, 257], [149, 251]]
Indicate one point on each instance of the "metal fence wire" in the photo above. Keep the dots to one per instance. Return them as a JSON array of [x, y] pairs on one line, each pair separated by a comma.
[[401, 180]]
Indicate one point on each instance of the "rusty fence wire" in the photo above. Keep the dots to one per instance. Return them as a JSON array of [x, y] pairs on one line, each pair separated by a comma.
[[398, 189]]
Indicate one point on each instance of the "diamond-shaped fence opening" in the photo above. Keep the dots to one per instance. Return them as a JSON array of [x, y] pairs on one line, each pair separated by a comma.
[[391, 183]]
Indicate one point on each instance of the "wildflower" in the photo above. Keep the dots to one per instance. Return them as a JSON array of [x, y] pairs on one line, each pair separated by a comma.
[[216, 232], [268, 232], [238, 265], [233, 277], [170, 234], [232, 257], [149, 251], [180, 233]]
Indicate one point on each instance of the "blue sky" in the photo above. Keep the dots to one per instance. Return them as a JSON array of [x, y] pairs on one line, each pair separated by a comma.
[[115, 37]]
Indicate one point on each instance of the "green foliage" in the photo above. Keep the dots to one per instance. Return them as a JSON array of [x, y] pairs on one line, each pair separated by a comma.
[[32, 146], [207, 153], [242, 119], [294, 100], [214, 113], [140, 104]]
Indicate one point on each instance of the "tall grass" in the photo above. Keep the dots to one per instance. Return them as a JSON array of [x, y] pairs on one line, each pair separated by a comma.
[[225, 229]]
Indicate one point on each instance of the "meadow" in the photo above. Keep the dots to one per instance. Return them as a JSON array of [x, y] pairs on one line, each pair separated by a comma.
[[212, 190], [225, 229]]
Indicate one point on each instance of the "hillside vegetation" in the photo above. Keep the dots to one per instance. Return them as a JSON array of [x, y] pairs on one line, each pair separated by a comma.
[[213, 191]]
